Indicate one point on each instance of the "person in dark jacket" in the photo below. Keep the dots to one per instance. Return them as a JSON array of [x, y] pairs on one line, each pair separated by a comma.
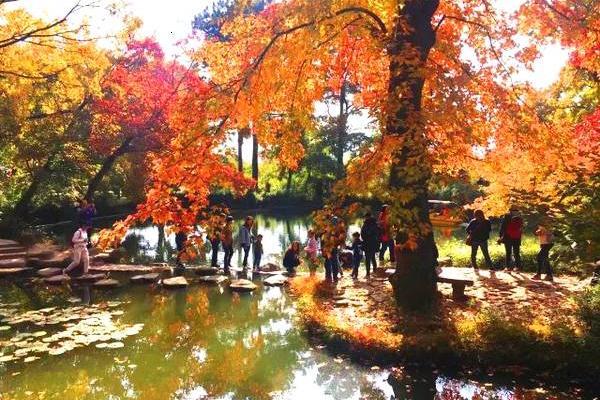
[[370, 236], [291, 259], [181, 239], [511, 230], [357, 250], [479, 229]]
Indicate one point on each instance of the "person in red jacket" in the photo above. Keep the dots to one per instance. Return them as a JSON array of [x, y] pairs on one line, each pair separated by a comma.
[[511, 230]]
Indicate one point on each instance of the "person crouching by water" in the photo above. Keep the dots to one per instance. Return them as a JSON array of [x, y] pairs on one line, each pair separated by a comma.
[[291, 259], [80, 250], [546, 242], [478, 232], [257, 252]]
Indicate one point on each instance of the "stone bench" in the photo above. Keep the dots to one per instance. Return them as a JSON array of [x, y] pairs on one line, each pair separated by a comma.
[[458, 283]]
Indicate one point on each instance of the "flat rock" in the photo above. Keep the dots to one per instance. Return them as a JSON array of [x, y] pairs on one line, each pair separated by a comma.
[[145, 278], [206, 271], [89, 278], [12, 263], [57, 279], [52, 263], [275, 280], [271, 273], [106, 283], [270, 267], [390, 271], [5, 272], [213, 279], [176, 282], [242, 285], [127, 268], [8, 243], [48, 272]]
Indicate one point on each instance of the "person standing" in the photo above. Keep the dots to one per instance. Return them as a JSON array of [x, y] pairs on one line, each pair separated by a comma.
[[180, 244], [478, 232], [387, 241], [357, 250], [291, 259], [227, 242], [246, 238], [370, 236], [546, 242], [215, 240], [511, 230], [257, 252], [312, 249], [80, 250]]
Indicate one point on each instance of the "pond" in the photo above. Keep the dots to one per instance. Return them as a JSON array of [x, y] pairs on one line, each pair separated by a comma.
[[143, 342]]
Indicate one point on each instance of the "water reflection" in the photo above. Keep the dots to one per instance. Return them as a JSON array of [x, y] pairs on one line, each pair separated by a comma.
[[205, 341]]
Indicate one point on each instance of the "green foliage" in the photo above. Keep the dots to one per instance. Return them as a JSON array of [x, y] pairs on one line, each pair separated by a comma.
[[589, 309]]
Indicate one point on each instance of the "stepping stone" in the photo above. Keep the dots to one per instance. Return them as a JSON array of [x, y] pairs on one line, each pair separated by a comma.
[[444, 261], [176, 282], [213, 279], [390, 272], [242, 285], [89, 278], [106, 283], [127, 268], [341, 303], [207, 271], [271, 273], [58, 279], [48, 272], [275, 280], [12, 263], [52, 263], [6, 272], [269, 267], [12, 255], [146, 278]]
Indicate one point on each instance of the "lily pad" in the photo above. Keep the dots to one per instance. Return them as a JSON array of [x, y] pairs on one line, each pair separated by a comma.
[[7, 358], [242, 285], [115, 345], [31, 359], [4, 328]]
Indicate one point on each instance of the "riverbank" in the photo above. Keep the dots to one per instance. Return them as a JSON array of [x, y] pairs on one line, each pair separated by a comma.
[[510, 323]]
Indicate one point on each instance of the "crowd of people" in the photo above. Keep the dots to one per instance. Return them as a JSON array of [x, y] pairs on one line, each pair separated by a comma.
[[371, 243], [510, 235]]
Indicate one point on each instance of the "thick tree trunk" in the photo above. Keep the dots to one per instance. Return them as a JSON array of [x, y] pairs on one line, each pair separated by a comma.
[[255, 159], [342, 132], [240, 143], [414, 281], [106, 167]]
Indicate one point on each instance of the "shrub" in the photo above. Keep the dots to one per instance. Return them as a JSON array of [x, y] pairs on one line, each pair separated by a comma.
[[589, 309]]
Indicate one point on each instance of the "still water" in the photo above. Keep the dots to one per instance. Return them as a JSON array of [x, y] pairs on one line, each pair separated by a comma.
[[143, 342]]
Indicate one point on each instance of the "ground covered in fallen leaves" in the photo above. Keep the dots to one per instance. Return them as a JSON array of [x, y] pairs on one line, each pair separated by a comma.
[[508, 321]]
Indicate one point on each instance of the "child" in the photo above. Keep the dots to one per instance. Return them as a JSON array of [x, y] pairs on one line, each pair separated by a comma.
[[311, 248], [546, 242], [356, 253], [257, 252], [80, 251]]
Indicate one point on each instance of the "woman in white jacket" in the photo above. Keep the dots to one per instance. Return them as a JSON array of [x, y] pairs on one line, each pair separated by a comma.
[[80, 251]]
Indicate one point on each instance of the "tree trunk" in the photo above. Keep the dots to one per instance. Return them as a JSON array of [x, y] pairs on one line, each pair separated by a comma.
[[414, 280], [106, 167], [288, 186], [341, 128], [240, 161], [255, 158]]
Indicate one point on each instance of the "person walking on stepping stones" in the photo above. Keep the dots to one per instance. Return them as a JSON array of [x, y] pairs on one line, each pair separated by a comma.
[[227, 242], [478, 234], [80, 250], [246, 238]]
